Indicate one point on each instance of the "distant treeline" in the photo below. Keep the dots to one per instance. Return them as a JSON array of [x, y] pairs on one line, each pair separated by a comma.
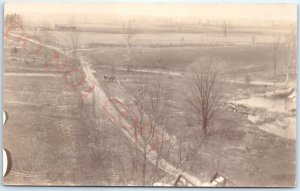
[[15, 20], [120, 30], [156, 45]]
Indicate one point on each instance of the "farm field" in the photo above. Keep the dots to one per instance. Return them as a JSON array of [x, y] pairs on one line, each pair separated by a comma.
[[150, 102], [228, 123]]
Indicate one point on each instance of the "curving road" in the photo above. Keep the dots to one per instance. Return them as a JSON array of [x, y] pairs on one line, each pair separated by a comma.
[[101, 98]]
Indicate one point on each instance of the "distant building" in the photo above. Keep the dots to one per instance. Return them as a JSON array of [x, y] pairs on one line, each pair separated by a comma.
[[64, 27], [42, 28]]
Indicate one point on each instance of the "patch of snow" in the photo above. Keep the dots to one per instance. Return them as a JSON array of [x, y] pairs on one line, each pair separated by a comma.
[[220, 179], [207, 184], [280, 93], [161, 184], [293, 95], [214, 183], [253, 118]]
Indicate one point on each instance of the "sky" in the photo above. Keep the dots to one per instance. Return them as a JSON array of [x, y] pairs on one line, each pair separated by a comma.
[[266, 12]]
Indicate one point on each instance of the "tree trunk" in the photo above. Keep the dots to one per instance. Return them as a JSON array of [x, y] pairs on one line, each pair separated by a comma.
[[204, 125], [275, 68], [144, 167]]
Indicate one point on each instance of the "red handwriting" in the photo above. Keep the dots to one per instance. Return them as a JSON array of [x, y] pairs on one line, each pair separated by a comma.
[[75, 77], [144, 130]]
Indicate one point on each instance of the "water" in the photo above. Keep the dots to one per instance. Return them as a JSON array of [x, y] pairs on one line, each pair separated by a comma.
[[270, 104], [287, 131], [283, 127]]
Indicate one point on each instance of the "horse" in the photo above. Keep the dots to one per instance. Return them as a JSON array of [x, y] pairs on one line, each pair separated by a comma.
[[112, 78]]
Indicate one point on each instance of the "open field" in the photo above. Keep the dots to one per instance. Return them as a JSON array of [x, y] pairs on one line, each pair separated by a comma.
[[252, 143], [155, 105], [243, 143], [40, 122]]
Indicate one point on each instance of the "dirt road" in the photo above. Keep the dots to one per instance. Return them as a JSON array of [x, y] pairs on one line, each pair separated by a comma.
[[101, 99]]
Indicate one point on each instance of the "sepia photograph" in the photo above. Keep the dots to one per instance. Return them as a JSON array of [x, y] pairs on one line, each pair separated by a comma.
[[149, 94]]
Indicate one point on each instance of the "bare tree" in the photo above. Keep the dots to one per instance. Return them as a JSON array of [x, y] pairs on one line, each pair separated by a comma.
[[14, 21], [276, 57], [204, 90], [150, 113], [131, 43], [253, 39], [74, 36], [148, 119], [128, 44], [101, 153], [290, 53], [247, 80], [46, 35], [226, 27]]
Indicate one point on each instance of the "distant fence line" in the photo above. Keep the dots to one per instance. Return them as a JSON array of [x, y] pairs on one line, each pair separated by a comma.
[[53, 176]]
